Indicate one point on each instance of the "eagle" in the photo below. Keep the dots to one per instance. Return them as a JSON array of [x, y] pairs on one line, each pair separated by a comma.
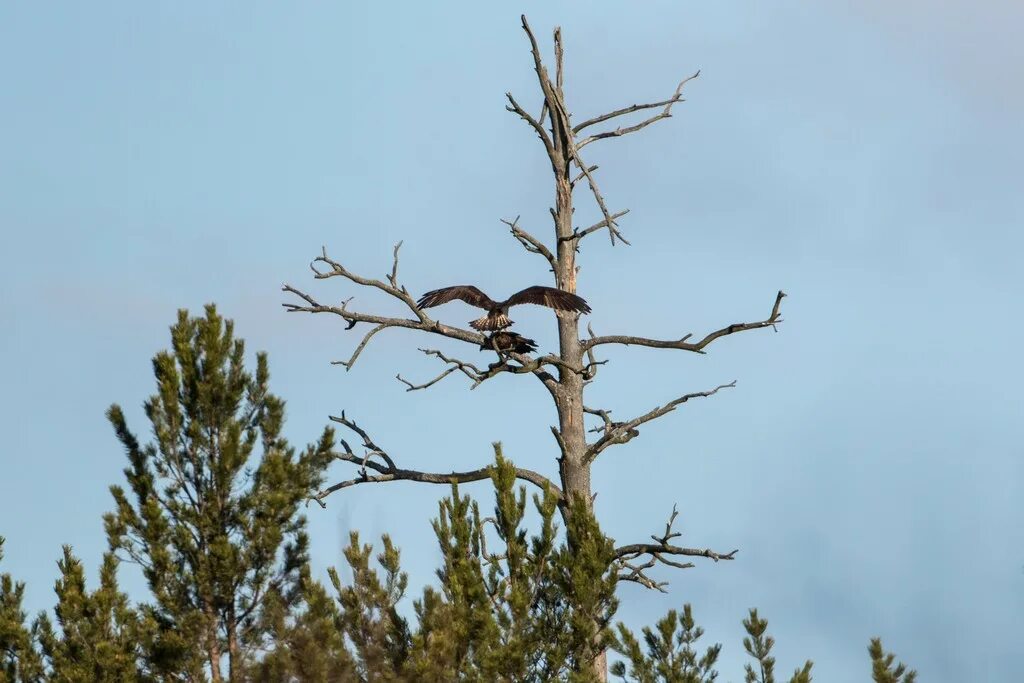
[[497, 311], [508, 342]]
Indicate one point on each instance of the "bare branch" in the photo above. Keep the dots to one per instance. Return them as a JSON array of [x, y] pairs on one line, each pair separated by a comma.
[[579, 176], [665, 113], [478, 376], [657, 553], [531, 243], [359, 349], [559, 106], [605, 415], [393, 278], [367, 441], [387, 471], [514, 107], [625, 110], [559, 113], [427, 384], [623, 432], [592, 362], [609, 219], [468, 369], [559, 60], [424, 324], [398, 474], [391, 287], [637, 549], [683, 344], [603, 223], [338, 270], [542, 73]]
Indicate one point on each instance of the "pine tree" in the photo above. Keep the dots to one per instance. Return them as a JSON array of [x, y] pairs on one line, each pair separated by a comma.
[[19, 660], [369, 611], [514, 607], [885, 669], [308, 646], [759, 646], [670, 656], [215, 521], [509, 607], [98, 636]]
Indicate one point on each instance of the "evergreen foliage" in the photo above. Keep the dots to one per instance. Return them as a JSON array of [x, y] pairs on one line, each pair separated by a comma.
[[308, 646], [214, 523], [369, 611], [670, 654], [219, 537], [509, 606], [98, 637], [19, 660], [884, 668], [759, 646]]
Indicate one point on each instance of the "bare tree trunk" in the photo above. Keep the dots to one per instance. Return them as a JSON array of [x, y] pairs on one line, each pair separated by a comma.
[[234, 662], [574, 471], [213, 646]]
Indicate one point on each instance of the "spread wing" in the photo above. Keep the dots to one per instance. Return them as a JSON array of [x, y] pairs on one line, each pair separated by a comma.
[[550, 297], [468, 293]]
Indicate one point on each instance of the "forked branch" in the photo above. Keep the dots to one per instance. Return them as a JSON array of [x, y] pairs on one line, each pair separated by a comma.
[[665, 113], [531, 243], [624, 432], [371, 471], [684, 344], [525, 364], [632, 568], [421, 322], [390, 287], [561, 145]]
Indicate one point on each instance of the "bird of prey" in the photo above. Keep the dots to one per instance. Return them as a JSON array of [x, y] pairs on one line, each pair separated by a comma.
[[497, 311], [508, 342]]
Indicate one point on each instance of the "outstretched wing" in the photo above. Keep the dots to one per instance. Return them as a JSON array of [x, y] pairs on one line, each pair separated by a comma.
[[550, 297], [468, 293]]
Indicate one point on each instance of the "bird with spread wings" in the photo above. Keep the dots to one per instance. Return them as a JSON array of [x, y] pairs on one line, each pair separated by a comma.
[[497, 311]]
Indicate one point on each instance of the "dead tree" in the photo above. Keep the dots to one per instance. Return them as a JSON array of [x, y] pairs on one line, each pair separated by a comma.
[[566, 375]]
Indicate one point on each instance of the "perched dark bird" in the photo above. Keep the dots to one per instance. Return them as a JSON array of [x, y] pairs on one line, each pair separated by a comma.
[[497, 311], [508, 341]]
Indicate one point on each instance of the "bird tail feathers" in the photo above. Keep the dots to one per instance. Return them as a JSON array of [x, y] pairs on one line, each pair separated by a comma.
[[491, 322]]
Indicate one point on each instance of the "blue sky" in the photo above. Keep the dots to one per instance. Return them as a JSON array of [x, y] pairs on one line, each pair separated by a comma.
[[863, 156]]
